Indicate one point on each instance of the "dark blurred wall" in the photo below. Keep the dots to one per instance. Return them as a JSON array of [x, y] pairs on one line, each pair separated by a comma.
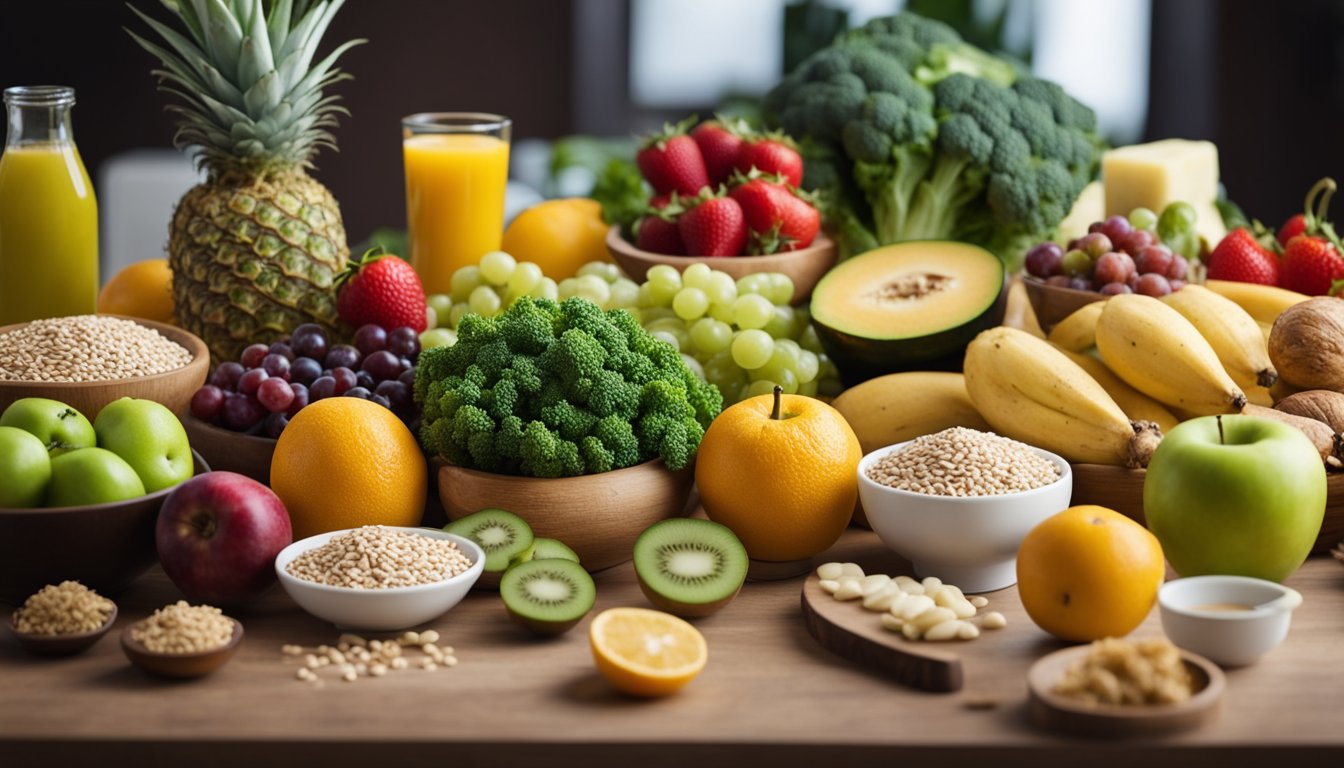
[[422, 55]]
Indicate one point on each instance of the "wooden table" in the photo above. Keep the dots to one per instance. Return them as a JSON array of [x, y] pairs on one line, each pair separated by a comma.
[[769, 696]]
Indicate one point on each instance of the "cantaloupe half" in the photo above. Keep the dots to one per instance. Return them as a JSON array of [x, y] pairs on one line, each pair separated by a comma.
[[907, 306]]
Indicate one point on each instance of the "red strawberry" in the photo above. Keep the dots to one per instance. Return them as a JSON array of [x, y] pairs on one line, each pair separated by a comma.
[[671, 162], [383, 289], [1294, 226], [772, 154], [777, 219], [1311, 265], [720, 144], [716, 226], [657, 228], [1239, 257]]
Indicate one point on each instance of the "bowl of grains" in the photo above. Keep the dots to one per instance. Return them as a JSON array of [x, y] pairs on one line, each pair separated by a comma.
[[62, 619], [957, 503], [378, 577], [88, 361], [182, 640]]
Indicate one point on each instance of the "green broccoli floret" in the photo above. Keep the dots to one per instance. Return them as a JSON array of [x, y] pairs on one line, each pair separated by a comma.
[[618, 437], [596, 457]]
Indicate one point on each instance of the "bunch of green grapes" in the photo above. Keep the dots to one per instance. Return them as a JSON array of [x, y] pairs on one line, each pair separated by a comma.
[[741, 336]]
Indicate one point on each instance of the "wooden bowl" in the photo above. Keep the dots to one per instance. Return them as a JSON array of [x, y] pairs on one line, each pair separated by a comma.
[[1121, 489], [172, 388], [804, 266], [1076, 718], [181, 666], [103, 546], [230, 451], [64, 645], [1053, 303], [598, 516]]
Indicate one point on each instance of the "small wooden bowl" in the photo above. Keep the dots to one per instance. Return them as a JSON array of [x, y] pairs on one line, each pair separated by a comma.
[[230, 451], [598, 516], [804, 266], [1053, 303], [1070, 716], [1121, 489], [181, 666], [64, 645], [171, 388]]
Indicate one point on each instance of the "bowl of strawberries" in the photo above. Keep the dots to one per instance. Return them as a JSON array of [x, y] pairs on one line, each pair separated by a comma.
[[729, 197]]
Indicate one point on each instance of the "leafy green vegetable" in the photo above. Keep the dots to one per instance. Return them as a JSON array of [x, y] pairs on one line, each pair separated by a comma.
[[623, 194]]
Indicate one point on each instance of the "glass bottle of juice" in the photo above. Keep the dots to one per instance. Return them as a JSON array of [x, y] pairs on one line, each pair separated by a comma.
[[48, 215]]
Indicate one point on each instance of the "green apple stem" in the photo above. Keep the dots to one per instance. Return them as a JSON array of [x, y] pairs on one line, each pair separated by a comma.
[[1221, 440], [776, 414]]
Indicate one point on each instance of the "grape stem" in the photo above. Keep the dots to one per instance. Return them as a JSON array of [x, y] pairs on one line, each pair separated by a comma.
[[776, 414]]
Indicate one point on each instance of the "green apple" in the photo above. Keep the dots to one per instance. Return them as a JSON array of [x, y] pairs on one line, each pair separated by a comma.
[[25, 469], [149, 437], [59, 427], [1237, 495], [91, 476]]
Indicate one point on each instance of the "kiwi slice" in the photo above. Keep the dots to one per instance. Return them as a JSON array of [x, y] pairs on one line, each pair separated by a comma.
[[547, 596], [500, 533], [690, 567], [545, 549]]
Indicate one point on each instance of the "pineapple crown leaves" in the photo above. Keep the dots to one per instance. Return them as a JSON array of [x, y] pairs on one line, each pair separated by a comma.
[[252, 96]]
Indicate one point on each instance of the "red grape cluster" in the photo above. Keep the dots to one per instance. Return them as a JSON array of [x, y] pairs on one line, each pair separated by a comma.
[[260, 394], [1115, 256]]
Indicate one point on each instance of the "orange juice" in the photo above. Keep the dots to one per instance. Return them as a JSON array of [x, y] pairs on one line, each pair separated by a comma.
[[48, 234], [454, 202]]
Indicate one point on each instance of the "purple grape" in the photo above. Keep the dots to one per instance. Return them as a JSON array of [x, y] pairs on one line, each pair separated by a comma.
[[359, 392], [404, 342], [1137, 240], [1111, 289], [251, 380], [284, 350], [365, 379], [407, 364], [1095, 244], [275, 395], [1155, 258], [276, 366], [242, 412], [407, 378], [345, 379], [1074, 244], [252, 355], [1153, 284], [1113, 267], [397, 394], [1043, 260], [206, 403], [310, 341], [300, 399], [226, 376], [1115, 227], [1061, 281], [370, 338], [343, 356], [383, 365], [305, 370], [1133, 280], [1178, 269], [1177, 284], [275, 424], [1080, 284], [323, 387], [380, 400]]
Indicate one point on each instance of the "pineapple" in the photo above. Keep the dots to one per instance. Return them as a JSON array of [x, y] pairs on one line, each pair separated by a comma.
[[256, 249]]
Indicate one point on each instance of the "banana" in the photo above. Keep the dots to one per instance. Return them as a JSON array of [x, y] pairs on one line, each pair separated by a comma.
[[1234, 335], [1030, 391], [902, 406], [1078, 331], [1155, 350], [1263, 302], [1136, 405]]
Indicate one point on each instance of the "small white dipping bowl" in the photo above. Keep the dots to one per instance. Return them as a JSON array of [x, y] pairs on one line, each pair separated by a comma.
[[381, 610], [1193, 620], [969, 541]]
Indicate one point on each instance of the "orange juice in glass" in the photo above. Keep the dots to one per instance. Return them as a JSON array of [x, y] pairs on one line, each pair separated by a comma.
[[457, 166]]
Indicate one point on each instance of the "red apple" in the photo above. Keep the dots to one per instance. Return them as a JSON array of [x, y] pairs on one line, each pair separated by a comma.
[[218, 535]]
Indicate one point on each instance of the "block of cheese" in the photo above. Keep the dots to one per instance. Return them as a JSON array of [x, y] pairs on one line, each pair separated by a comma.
[[1154, 174]]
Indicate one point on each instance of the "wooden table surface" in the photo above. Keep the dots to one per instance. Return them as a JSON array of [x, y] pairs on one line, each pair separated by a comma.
[[769, 695]]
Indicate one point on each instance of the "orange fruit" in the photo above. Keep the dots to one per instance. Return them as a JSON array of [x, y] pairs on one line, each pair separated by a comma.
[[1089, 572], [143, 289], [786, 486], [344, 462], [645, 652], [559, 236]]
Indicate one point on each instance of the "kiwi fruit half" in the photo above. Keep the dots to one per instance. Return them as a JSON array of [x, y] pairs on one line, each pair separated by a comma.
[[500, 533], [690, 567], [545, 549], [547, 596]]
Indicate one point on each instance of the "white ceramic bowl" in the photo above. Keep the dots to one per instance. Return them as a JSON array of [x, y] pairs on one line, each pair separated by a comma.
[[381, 610], [967, 541], [1230, 638]]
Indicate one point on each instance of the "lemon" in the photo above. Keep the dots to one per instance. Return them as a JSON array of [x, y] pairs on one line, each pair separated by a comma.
[[645, 652]]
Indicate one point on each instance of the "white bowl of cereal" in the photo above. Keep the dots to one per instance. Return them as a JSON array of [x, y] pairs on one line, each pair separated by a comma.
[[407, 577], [957, 503]]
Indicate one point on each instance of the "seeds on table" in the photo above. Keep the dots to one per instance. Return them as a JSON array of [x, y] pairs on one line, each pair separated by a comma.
[[184, 628], [68, 608], [964, 462], [86, 348], [354, 656], [378, 557], [1139, 672]]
